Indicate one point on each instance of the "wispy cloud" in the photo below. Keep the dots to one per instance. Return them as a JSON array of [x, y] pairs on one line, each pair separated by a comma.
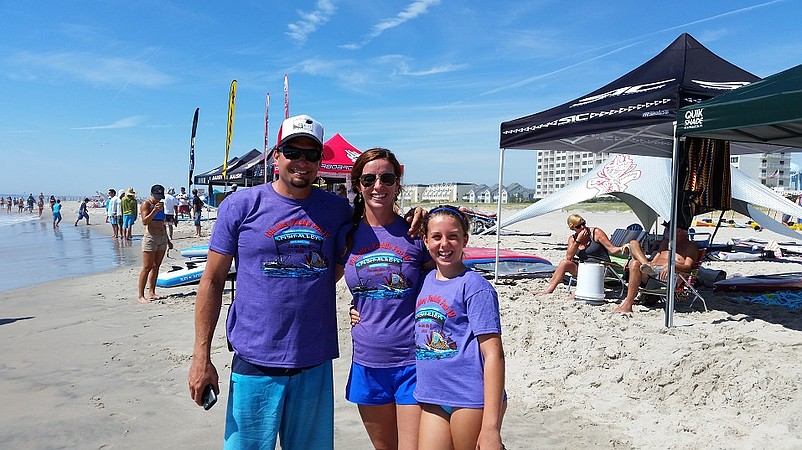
[[634, 41], [87, 67], [415, 9], [311, 21], [127, 122]]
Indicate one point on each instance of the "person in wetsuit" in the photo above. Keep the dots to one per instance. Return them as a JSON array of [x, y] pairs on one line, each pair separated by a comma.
[[155, 242], [585, 245]]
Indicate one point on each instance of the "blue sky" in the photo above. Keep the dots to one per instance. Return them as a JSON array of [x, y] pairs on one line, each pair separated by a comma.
[[99, 94]]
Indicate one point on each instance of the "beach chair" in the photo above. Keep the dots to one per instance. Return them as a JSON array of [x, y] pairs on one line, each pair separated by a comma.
[[685, 289]]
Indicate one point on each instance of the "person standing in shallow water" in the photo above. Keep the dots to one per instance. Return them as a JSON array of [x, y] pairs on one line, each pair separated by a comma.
[[56, 213], [83, 213]]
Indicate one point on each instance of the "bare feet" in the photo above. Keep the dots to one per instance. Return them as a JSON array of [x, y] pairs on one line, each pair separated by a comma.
[[623, 309], [152, 297], [144, 300]]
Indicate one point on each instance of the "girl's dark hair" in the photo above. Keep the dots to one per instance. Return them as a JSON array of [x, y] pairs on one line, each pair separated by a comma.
[[454, 211], [356, 172]]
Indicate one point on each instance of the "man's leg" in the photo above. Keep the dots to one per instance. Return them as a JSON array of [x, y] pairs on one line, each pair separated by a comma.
[[635, 278], [255, 408], [308, 421]]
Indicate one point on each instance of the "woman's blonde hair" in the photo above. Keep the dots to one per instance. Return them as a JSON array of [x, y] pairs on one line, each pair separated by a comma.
[[575, 220]]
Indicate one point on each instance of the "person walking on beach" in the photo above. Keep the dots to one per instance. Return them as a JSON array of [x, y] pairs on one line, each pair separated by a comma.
[[8, 204], [283, 323], [183, 203], [155, 242], [128, 208], [170, 211], [41, 203], [382, 376], [460, 359], [82, 212], [197, 211], [112, 210], [56, 213], [52, 202]]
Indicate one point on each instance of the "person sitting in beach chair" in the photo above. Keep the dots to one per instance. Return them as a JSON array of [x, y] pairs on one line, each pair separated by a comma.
[[641, 268], [586, 244]]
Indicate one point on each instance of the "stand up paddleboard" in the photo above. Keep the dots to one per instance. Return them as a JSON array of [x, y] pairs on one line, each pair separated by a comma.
[[760, 283], [511, 264], [181, 276], [196, 251]]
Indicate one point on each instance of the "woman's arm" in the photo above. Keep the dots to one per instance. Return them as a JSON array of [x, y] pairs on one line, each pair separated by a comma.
[[601, 237], [494, 371]]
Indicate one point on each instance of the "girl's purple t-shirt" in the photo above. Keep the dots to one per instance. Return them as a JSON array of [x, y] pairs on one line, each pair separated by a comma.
[[284, 312], [448, 317], [383, 272]]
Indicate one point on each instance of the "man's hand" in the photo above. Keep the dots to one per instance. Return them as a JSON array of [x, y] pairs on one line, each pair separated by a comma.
[[416, 217]]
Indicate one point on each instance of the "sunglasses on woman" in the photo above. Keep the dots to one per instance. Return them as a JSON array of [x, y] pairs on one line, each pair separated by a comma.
[[387, 179], [293, 153]]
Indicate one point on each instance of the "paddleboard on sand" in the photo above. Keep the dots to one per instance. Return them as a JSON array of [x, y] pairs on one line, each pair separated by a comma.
[[511, 263], [760, 283], [181, 276], [196, 251]]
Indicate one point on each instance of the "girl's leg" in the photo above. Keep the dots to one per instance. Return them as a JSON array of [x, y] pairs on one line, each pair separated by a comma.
[[435, 431], [408, 418], [465, 426], [380, 423]]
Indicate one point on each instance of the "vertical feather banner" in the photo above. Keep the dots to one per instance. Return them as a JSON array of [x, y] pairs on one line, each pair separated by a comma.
[[267, 132], [192, 147], [232, 94], [286, 97]]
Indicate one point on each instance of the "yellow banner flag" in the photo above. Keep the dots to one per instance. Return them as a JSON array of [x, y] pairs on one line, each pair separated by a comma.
[[230, 129]]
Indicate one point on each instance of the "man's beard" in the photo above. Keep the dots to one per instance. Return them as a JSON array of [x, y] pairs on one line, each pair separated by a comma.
[[300, 183]]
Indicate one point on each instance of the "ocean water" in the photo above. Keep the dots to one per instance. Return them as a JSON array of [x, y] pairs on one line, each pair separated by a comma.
[[32, 252]]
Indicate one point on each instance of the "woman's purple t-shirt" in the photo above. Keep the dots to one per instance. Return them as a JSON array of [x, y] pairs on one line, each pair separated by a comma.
[[448, 316], [284, 312], [383, 272]]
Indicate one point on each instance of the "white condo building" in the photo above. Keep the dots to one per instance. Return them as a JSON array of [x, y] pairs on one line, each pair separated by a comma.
[[556, 170], [771, 169]]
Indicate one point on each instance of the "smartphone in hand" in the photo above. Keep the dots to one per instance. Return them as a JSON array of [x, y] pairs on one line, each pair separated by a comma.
[[209, 397]]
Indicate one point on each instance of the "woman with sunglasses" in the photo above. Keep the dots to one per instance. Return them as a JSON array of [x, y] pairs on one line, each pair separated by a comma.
[[586, 244], [383, 267]]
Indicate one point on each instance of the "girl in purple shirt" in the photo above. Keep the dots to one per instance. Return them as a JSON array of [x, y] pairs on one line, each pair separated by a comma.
[[382, 267], [460, 359]]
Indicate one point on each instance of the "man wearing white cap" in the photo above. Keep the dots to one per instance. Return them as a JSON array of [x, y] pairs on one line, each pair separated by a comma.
[[282, 324]]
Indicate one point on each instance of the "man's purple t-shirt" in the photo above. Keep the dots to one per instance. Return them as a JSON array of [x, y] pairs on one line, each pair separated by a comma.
[[284, 312], [448, 317], [383, 272]]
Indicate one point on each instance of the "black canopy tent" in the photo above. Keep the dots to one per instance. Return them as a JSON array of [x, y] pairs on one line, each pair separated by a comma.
[[236, 172], [634, 114]]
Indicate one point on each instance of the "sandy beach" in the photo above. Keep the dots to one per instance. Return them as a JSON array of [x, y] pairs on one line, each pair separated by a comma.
[[86, 366]]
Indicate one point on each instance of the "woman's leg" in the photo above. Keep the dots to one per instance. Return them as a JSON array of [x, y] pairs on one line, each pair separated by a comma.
[[408, 418], [380, 423], [154, 272], [148, 259], [435, 430], [564, 267]]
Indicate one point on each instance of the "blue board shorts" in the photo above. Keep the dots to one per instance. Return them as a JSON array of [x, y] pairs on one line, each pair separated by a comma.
[[197, 219], [113, 220], [128, 220], [381, 386], [298, 408]]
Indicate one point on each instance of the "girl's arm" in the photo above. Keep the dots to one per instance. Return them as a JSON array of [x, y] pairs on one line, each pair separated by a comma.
[[493, 354]]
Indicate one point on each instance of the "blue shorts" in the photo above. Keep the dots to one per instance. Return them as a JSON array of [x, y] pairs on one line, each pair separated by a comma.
[[373, 386], [113, 220], [56, 216], [128, 220], [197, 219], [298, 408]]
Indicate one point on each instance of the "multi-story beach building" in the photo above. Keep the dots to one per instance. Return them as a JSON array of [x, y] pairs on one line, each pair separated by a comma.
[[771, 169], [557, 169]]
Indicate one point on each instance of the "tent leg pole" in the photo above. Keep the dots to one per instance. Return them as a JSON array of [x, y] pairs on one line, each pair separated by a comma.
[[672, 243], [498, 213]]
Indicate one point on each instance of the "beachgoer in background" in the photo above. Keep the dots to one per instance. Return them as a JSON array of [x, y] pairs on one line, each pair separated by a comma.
[[31, 201], [52, 202], [183, 203], [41, 203], [281, 380], [197, 211], [8, 204], [20, 205], [155, 242], [641, 268], [170, 211], [128, 208], [460, 358], [56, 213], [112, 210], [2, 202], [382, 376], [120, 197], [342, 191], [82, 212], [586, 244]]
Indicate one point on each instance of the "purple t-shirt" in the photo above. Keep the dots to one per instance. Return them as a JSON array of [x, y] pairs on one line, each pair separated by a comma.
[[448, 316], [383, 272], [286, 251]]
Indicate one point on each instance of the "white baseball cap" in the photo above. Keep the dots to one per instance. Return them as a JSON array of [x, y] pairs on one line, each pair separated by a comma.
[[298, 126]]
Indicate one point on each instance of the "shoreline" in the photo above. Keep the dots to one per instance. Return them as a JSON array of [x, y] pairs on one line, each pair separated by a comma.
[[87, 363]]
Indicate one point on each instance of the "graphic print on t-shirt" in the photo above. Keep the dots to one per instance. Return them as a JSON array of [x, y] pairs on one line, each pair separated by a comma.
[[380, 276], [431, 341], [299, 250]]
